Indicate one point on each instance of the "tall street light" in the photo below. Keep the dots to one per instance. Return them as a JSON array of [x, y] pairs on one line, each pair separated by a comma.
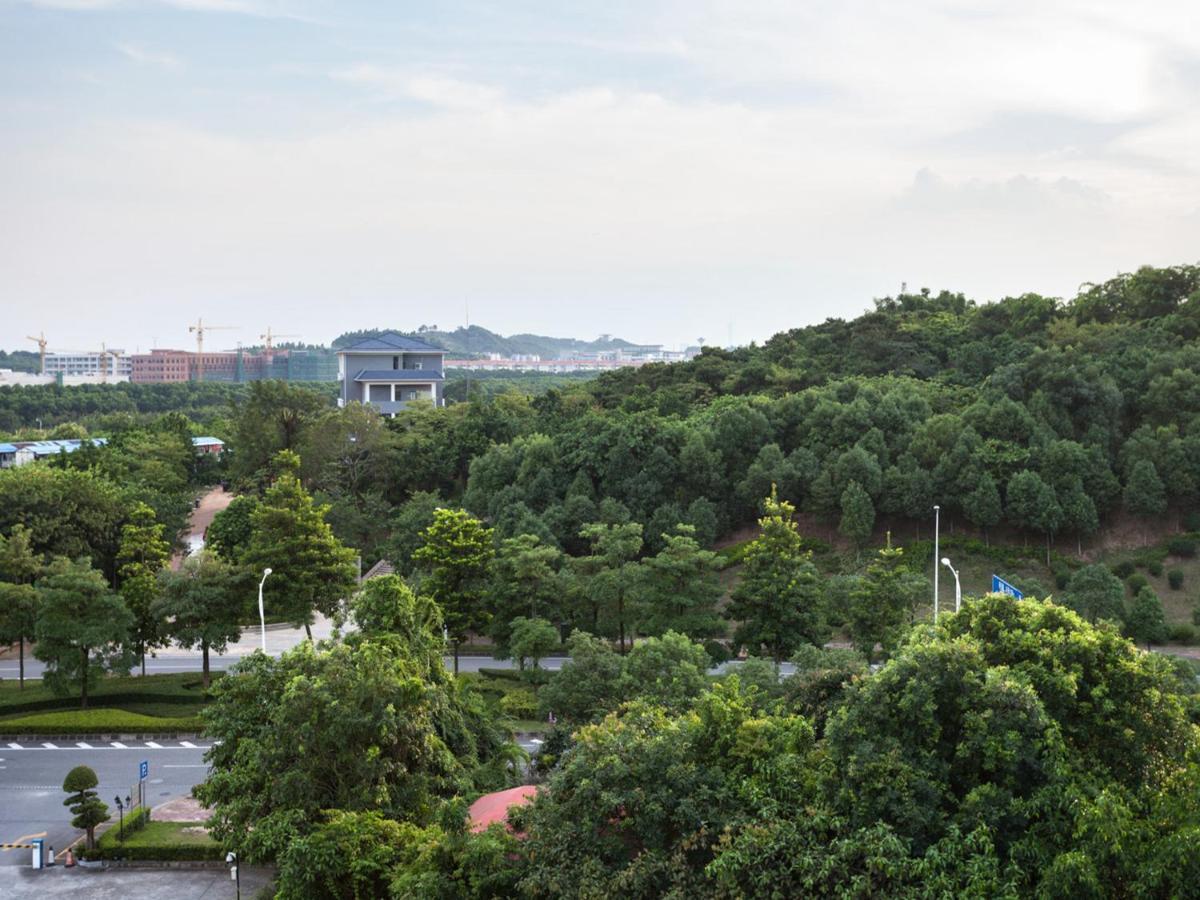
[[957, 583], [261, 616], [937, 513]]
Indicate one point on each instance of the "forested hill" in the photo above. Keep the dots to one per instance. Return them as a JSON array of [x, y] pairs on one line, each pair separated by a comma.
[[1032, 413], [476, 341], [1120, 324]]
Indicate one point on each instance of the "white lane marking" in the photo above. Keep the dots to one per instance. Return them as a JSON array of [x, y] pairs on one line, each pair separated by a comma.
[[83, 745], [187, 744], [150, 745], [16, 747]]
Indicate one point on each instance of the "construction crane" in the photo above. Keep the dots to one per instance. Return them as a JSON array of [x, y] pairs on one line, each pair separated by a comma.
[[40, 340], [268, 338], [199, 328], [105, 353]]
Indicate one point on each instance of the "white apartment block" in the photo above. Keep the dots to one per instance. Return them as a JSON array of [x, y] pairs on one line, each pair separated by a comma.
[[118, 364]]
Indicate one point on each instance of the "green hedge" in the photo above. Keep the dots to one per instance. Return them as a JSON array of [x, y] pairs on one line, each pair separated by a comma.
[[115, 700], [99, 721], [157, 842]]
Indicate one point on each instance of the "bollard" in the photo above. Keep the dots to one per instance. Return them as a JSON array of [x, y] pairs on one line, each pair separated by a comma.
[[50, 857], [70, 858]]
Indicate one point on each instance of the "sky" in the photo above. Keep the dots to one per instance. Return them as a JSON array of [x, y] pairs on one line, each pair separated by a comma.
[[661, 170]]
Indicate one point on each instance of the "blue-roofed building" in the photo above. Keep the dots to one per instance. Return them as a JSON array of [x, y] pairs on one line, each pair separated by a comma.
[[8, 455], [391, 371], [208, 445], [28, 451]]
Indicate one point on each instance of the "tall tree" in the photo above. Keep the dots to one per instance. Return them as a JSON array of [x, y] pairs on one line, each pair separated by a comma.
[[455, 557], [232, 527], [82, 627], [525, 582], [777, 604], [883, 602], [983, 507], [614, 569], [531, 639], [858, 514], [1146, 622], [274, 416], [1145, 495], [18, 619], [1033, 505], [679, 588], [1096, 593], [1078, 512], [19, 566], [142, 554], [311, 571], [201, 604]]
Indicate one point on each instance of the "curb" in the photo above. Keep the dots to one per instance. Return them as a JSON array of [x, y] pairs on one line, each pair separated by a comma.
[[155, 863]]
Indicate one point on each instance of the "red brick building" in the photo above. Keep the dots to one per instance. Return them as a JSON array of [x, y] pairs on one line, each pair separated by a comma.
[[161, 366]]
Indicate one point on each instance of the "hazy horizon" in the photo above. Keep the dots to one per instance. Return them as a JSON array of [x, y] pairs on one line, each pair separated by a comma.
[[659, 171]]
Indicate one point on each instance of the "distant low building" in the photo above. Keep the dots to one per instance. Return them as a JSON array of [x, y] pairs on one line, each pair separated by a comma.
[[391, 371], [8, 455], [208, 445], [31, 451], [162, 366], [117, 364]]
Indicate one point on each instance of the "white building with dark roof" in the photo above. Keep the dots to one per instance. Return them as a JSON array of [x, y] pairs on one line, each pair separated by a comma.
[[391, 371]]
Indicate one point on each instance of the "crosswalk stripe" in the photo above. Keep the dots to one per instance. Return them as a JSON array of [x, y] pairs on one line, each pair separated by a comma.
[[83, 745], [187, 744], [15, 746], [50, 746], [118, 745], [153, 745]]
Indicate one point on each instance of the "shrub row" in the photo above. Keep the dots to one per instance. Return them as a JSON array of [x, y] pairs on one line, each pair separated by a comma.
[[54, 704], [157, 852], [99, 721]]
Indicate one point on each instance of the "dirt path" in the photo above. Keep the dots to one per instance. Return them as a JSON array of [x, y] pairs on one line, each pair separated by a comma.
[[210, 504]]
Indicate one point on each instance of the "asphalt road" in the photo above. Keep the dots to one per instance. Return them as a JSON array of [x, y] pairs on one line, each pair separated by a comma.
[[31, 777], [189, 663], [9, 668], [124, 884]]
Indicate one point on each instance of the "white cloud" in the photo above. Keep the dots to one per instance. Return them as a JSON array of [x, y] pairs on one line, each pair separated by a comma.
[[768, 162], [263, 8], [145, 56], [436, 90]]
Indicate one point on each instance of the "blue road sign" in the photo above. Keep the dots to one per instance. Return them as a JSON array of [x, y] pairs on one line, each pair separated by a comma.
[[1000, 586], [144, 770]]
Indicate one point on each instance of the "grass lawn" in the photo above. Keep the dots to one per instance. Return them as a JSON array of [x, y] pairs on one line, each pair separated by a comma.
[[159, 841], [168, 703]]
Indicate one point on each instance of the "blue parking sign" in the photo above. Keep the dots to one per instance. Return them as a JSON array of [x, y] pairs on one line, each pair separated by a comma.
[[144, 770]]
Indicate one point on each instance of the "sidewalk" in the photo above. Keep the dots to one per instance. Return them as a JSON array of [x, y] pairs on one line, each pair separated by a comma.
[[210, 504]]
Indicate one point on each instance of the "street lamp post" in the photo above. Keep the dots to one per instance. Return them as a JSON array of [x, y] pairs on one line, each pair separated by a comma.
[[261, 615], [121, 812], [957, 583], [937, 514], [231, 860]]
